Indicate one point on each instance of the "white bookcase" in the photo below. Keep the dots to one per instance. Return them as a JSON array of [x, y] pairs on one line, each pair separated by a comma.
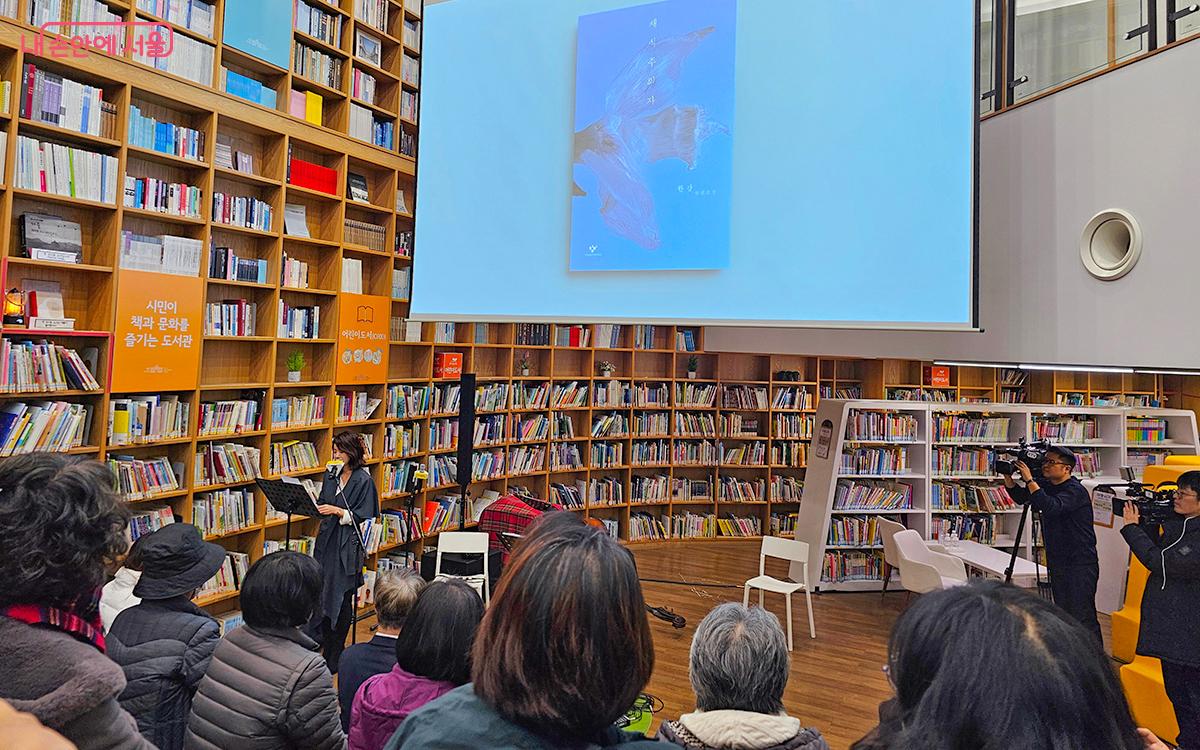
[[905, 461]]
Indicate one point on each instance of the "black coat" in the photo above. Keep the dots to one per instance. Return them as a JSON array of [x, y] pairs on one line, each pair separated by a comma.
[[359, 662], [1067, 521], [339, 546], [1170, 625], [164, 647]]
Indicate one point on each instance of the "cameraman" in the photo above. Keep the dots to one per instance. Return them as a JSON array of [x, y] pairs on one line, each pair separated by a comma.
[[1066, 509], [1170, 624]]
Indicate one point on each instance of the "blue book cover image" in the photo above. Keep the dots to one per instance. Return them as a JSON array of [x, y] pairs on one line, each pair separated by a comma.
[[653, 161]]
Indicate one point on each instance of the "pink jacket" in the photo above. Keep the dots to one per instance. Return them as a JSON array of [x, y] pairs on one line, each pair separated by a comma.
[[384, 701]]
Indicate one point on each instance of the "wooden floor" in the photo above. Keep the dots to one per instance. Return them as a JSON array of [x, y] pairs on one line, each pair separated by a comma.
[[837, 680]]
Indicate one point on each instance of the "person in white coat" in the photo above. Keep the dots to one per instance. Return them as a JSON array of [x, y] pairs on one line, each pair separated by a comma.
[[117, 595]]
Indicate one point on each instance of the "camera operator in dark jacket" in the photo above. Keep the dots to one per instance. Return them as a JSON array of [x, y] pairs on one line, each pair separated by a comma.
[[1066, 509], [1170, 627]]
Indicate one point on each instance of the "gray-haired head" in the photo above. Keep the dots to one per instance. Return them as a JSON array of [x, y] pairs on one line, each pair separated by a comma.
[[396, 592], [739, 660]]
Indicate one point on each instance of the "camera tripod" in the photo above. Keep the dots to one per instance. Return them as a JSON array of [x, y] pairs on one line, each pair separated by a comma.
[[1043, 588]]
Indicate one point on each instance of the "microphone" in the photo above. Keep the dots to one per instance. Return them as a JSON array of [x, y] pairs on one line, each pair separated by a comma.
[[333, 468]]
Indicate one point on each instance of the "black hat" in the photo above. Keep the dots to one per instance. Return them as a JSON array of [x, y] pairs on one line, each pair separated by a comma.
[[1063, 452], [176, 560]]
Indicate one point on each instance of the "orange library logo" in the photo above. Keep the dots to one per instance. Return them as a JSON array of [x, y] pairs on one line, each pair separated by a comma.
[[148, 39]]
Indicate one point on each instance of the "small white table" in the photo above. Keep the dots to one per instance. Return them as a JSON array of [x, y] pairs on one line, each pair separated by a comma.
[[994, 562]]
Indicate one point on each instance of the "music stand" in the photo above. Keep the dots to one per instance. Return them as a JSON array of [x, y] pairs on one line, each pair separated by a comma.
[[288, 497]]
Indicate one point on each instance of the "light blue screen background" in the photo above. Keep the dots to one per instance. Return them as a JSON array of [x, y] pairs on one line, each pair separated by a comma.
[[852, 175]]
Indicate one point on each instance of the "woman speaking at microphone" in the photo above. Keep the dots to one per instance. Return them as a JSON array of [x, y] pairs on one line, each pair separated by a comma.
[[348, 497]]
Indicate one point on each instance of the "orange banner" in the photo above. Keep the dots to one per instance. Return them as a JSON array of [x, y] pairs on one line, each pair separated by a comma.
[[158, 332], [362, 338]]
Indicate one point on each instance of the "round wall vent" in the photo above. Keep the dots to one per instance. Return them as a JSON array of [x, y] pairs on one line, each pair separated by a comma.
[[1111, 244]]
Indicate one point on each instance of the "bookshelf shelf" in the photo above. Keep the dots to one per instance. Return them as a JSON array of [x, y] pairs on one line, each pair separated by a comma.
[[164, 217], [45, 129], [310, 193], [241, 284], [219, 227], [63, 199], [87, 268], [247, 178], [312, 41]]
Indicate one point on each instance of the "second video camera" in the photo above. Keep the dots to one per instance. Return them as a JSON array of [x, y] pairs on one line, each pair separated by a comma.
[[1155, 505], [1031, 454]]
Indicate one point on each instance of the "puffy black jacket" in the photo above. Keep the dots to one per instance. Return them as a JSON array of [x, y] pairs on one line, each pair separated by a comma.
[[1170, 627], [266, 689], [163, 647]]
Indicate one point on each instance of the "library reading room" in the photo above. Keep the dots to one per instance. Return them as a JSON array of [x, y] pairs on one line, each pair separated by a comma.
[[742, 374]]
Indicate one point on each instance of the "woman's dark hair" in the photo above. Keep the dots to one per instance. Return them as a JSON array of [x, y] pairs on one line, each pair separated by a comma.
[[351, 443], [564, 648], [1189, 480], [281, 590], [439, 632], [61, 524], [988, 666]]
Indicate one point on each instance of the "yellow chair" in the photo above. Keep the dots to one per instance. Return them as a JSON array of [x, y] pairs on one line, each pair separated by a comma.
[[1142, 677]]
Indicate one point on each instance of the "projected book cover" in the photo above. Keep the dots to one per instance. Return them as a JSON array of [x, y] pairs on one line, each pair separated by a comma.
[[654, 89]]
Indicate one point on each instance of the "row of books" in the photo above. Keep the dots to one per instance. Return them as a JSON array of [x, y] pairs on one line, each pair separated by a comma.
[[530, 428], [566, 456], [47, 167], [783, 524], [981, 529], [645, 527], [487, 465], [355, 406], [242, 211], [790, 454], [612, 393], [841, 566], [694, 394], [171, 198], [647, 489], [50, 98], [410, 70], [293, 455], [44, 426], [148, 520], [749, 454], [316, 66], [230, 417], [161, 253], [318, 23], [247, 88], [490, 429], [610, 425], [302, 544], [231, 317], [194, 15], [853, 531], [227, 463], [658, 423], [443, 470], [929, 395], [785, 489], [685, 340], [143, 419], [306, 105], [977, 461], [739, 526], [229, 578], [302, 322], [526, 459], [855, 495], [973, 498], [607, 455], [224, 263], [739, 425], [152, 134], [1145, 430], [408, 105], [744, 397], [1066, 429], [28, 366], [881, 426], [875, 461], [301, 410], [372, 236], [735, 490], [793, 426], [567, 395], [139, 479], [950, 428], [792, 398], [491, 397], [848, 393], [228, 157], [366, 126], [186, 57], [223, 511], [695, 453], [362, 86], [398, 477], [401, 283], [443, 434]]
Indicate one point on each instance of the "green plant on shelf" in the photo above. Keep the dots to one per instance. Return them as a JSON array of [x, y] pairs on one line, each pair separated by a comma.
[[693, 364], [523, 364], [606, 368], [295, 363]]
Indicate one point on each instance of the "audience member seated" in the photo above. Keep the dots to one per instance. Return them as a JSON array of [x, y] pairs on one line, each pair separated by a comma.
[[988, 666], [61, 525], [395, 594], [165, 643], [117, 595], [267, 685], [432, 655], [562, 651], [739, 668]]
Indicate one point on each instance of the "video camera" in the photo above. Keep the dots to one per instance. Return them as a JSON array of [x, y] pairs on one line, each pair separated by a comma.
[[1155, 505], [1032, 454]]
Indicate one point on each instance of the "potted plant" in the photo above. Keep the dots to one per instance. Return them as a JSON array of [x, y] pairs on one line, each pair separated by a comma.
[[523, 364], [295, 363], [693, 365], [606, 368]]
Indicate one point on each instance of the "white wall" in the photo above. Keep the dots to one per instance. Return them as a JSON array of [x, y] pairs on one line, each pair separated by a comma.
[[1127, 139]]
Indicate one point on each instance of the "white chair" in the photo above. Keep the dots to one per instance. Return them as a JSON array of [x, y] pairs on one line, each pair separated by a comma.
[[923, 569], [797, 553], [465, 542], [891, 560]]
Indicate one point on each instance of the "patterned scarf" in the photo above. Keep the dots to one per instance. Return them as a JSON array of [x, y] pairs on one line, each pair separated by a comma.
[[82, 622]]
